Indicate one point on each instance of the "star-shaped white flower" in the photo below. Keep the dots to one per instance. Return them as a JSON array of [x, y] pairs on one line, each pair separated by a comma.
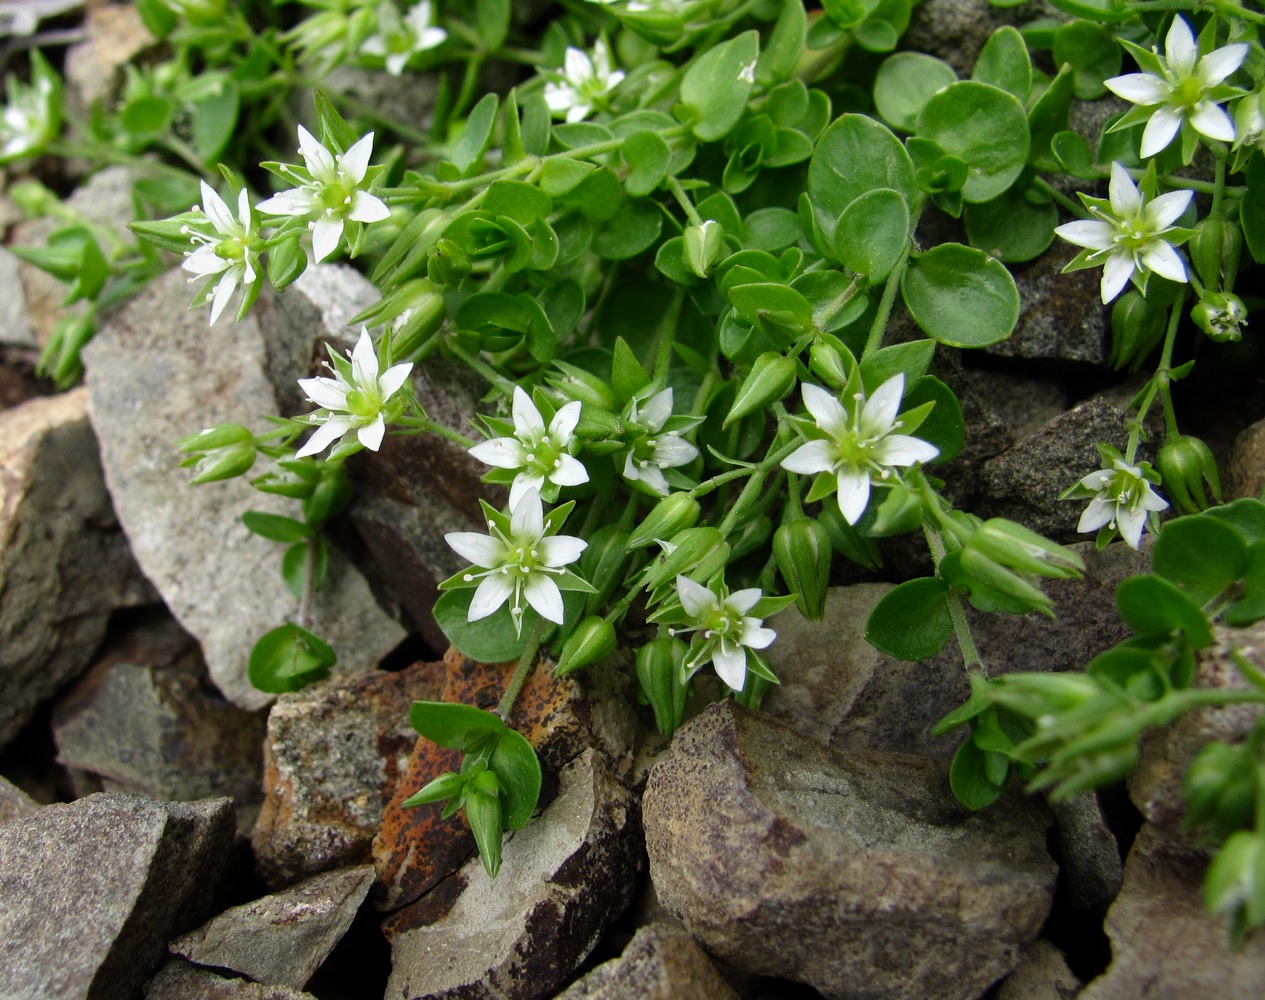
[[517, 564], [231, 251], [585, 81], [1126, 236], [330, 186], [1181, 90], [397, 39], [354, 401], [1124, 499], [723, 629], [29, 119], [652, 449], [539, 454], [860, 445]]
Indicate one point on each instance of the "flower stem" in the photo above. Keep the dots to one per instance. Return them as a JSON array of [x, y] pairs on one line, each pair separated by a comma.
[[971, 660], [303, 616], [879, 326], [526, 663]]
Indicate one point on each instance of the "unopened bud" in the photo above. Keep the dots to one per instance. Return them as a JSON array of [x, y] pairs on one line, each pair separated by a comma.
[[703, 246], [772, 377], [696, 552], [446, 786], [667, 518], [592, 640], [1186, 464], [575, 382], [802, 551], [827, 364], [1215, 250], [1221, 316], [447, 264], [660, 670], [1019, 548]]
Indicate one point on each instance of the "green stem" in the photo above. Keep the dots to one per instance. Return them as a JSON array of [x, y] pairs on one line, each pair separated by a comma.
[[683, 200], [957, 614], [1070, 204], [482, 367], [774, 458], [666, 336], [526, 663], [879, 326], [303, 616]]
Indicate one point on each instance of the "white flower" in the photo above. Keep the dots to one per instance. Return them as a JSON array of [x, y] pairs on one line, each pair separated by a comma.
[[517, 563], [330, 186], [725, 628], [232, 251], [353, 401], [397, 39], [539, 454], [1180, 91], [860, 446], [29, 119], [1123, 499], [653, 449], [1127, 238], [585, 82]]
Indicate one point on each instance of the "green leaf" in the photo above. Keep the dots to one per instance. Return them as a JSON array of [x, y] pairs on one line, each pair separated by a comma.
[[905, 82], [1202, 555], [275, 527], [288, 659], [715, 88], [1150, 605], [872, 234], [215, 121], [785, 44], [983, 125], [524, 203], [147, 115], [516, 766], [970, 778], [1011, 227], [912, 621], [1246, 516], [560, 174], [771, 229], [777, 308], [476, 134], [489, 640], [1251, 606], [632, 230], [1048, 116], [1092, 52], [628, 377], [294, 566], [334, 132], [1107, 11], [943, 426], [854, 156], [648, 156], [493, 20], [453, 725], [1004, 63], [913, 358], [961, 296]]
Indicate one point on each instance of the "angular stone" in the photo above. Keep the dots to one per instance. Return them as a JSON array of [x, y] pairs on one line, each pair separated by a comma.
[[281, 939], [145, 720], [178, 980], [333, 756], [1163, 942], [755, 833], [222, 583], [1156, 785], [1244, 473], [662, 962], [1042, 975], [1088, 854], [15, 803], [560, 716], [94, 889], [563, 878], [94, 68], [64, 564], [15, 328]]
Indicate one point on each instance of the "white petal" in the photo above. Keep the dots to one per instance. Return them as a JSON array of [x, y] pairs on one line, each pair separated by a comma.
[[652, 476], [329, 432], [213, 208], [695, 598], [562, 426], [1216, 66], [326, 392], [902, 449], [854, 493], [223, 292], [1150, 500], [527, 520], [429, 38], [326, 233], [879, 412], [755, 636], [500, 453], [523, 483], [1209, 119], [396, 61], [657, 410], [1086, 233], [204, 261], [1131, 522], [1097, 481], [295, 201], [1099, 512], [742, 601], [371, 435], [577, 67], [243, 210], [366, 207], [577, 112], [543, 595], [559, 96], [670, 452], [492, 592], [1117, 269], [569, 472], [477, 549], [1162, 212], [394, 377], [810, 458], [561, 550], [375, 45], [1161, 258], [1179, 47], [364, 360], [1160, 130], [731, 665], [319, 160], [1126, 202], [1139, 88], [825, 409], [528, 423]]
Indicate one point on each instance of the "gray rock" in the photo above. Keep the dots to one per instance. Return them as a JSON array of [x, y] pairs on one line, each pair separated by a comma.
[[1245, 470], [662, 962], [64, 564], [94, 889], [1088, 854], [956, 30], [15, 803], [15, 328], [333, 754], [563, 878], [281, 939], [146, 720], [1163, 942], [1042, 975], [178, 980], [221, 582], [757, 834], [94, 68]]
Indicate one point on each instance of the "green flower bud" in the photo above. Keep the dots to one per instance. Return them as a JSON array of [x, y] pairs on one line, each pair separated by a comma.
[[1235, 883], [447, 264], [1019, 548], [771, 379], [1035, 695], [577, 383], [975, 569], [669, 516], [1186, 463], [605, 563], [660, 667], [414, 311], [703, 246], [1136, 327], [1221, 316], [592, 640], [827, 364], [219, 436], [802, 551], [751, 536], [287, 260], [219, 452], [483, 811], [1220, 788], [1215, 250], [696, 552], [446, 786], [899, 513], [331, 496]]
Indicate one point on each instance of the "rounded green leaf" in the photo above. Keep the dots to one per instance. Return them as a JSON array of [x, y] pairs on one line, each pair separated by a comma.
[[648, 156], [516, 766], [715, 88], [1092, 52], [961, 296], [943, 426], [986, 127], [1004, 63], [971, 776], [453, 725], [1010, 227], [854, 156], [1201, 555], [1150, 605], [289, 658], [490, 640], [912, 620], [872, 233], [905, 82], [147, 115], [630, 231], [771, 229]]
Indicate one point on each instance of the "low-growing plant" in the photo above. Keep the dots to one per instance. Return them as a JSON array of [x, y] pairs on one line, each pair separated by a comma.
[[674, 251]]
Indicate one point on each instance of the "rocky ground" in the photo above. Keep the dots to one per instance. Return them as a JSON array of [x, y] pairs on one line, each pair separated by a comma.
[[167, 831]]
